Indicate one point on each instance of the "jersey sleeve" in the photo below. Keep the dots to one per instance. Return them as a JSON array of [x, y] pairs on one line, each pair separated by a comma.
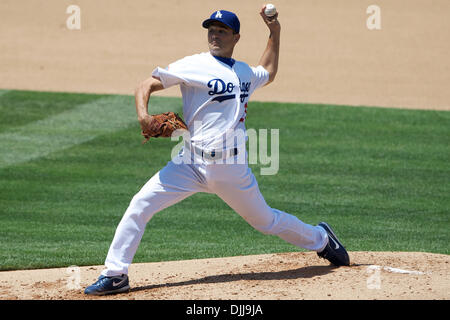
[[260, 77], [176, 73]]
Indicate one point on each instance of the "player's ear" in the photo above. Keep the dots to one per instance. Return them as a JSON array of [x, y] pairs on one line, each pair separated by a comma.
[[237, 36]]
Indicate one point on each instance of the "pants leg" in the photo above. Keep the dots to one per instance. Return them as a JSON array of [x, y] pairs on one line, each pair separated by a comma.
[[167, 187], [237, 186]]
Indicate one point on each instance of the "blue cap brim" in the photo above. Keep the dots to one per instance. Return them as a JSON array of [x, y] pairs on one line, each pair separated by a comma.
[[207, 22]]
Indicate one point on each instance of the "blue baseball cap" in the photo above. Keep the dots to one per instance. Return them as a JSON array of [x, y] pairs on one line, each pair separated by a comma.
[[228, 18]]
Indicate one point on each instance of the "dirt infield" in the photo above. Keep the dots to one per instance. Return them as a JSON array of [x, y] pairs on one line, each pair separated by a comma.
[[284, 276], [328, 55]]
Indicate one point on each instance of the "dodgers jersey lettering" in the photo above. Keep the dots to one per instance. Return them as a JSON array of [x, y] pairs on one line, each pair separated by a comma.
[[214, 94]]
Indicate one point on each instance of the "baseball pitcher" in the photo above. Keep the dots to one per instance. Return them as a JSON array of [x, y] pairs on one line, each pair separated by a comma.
[[215, 91]]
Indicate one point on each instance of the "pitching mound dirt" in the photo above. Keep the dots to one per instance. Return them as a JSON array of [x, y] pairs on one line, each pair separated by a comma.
[[284, 276]]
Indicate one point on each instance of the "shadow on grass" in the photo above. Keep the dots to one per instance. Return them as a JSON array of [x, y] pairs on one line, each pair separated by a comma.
[[305, 272]]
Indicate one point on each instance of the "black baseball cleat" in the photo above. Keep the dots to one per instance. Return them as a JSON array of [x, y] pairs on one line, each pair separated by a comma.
[[108, 285], [334, 250]]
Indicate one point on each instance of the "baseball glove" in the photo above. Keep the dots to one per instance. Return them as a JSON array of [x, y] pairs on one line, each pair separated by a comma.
[[163, 125]]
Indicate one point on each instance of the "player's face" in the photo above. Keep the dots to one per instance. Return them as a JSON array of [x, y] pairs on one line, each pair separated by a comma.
[[221, 40]]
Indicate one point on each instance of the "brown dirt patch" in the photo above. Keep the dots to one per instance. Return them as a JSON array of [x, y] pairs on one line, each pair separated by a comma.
[[284, 276], [328, 55]]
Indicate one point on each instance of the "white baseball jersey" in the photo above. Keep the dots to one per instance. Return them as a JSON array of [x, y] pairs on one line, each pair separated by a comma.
[[215, 95]]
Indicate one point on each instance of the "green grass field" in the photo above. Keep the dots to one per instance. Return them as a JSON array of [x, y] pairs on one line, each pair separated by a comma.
[[70, 164]]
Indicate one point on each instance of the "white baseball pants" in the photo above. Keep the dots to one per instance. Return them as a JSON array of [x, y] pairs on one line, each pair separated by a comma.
[[233, 183]]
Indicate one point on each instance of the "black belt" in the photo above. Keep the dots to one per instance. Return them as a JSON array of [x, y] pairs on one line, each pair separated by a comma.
[[213, 154]]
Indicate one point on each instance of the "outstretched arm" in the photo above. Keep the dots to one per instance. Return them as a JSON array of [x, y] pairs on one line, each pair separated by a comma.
[[269, 59], [142, 97]]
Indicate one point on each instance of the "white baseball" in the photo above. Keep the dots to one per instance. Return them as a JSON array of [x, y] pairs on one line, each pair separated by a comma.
[[270, 10]]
